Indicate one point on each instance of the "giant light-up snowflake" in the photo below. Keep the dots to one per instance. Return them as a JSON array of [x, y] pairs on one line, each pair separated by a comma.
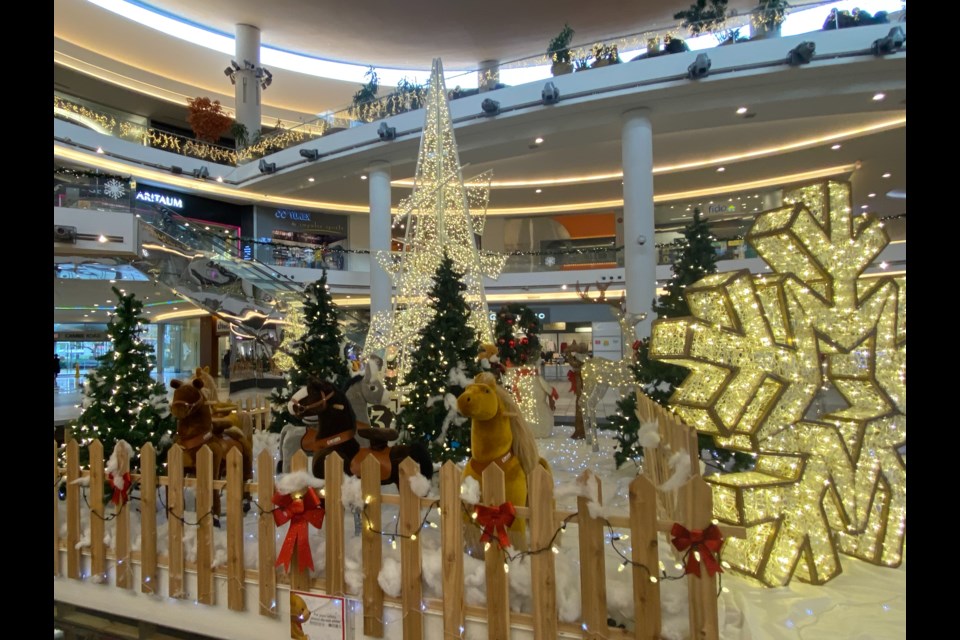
[[114, 189], [761, 349]]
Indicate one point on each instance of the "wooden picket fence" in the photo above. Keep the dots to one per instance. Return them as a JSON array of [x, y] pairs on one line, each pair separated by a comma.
[[543, 522], [256, 414]]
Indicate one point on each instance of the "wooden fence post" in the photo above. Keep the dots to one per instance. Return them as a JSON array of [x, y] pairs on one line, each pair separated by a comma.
[[543, 570], [266, 536], [299, 578], [372, 543], [333, 523], [451, 530], [98, 552], [73, 510], [121, 545], [56, 509], [643, 529], [175, 521], [410, 568], [498, 584], [204, 502], [695, 495], [236, 589], [593, 577], [148, 519]]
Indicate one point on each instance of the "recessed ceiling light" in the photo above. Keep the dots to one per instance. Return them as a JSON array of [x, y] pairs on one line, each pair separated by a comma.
[[538, 141], [348, 296], [884, 264], [721, 169], [741, 110], [871, 195], [99, 149], [835, 147], [113, 282], [564, 287], [863, 206], [897, 194], [207, 228], [886, 175], [102, 238], [175, 308], [539, 191], [219, 178], [310, 179], [877, 97], [109, 301], [363, 177]]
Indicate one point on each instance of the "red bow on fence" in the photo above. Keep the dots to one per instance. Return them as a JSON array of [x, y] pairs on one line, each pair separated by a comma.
[[705, 542], [495, 521], [300, 512], [120, 494]]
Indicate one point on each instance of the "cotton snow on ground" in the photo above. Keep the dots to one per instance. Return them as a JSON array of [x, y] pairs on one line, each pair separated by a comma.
[[865, 602]]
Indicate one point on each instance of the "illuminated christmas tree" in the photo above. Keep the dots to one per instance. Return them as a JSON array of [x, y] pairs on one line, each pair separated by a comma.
[[316, 352], [443, 216], [120, 399]]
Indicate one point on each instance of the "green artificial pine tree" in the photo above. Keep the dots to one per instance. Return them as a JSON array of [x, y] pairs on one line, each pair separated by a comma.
[[120, 399], [317, 352], [444, 361], [516, 330], [697, 259]]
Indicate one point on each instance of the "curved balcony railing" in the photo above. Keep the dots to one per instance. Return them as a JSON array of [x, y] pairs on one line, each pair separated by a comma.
[[409, 96]]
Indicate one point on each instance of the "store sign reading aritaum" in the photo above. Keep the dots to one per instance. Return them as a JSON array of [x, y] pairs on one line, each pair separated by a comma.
[[156, 198]]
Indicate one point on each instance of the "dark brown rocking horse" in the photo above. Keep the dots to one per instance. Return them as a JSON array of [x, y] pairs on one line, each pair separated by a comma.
[[336, 427], [195, 428]]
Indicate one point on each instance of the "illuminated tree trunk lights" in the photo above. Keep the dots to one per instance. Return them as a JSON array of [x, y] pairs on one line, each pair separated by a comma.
[[760, 348]]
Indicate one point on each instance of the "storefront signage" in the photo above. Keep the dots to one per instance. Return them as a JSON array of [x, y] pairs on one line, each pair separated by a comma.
[[156, 198], [311, 222], [80, 336], [723, 208], [284, 214]]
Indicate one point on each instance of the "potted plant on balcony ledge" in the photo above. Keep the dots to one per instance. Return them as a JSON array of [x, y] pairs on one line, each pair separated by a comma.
[[604, 55], [768, 17], [207, 119], [700, 18], [559, 51]]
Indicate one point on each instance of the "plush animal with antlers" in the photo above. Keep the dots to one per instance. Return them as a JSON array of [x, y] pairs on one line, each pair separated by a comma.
[[599, 374]]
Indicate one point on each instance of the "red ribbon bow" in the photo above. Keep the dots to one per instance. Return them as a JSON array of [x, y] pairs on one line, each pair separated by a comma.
[[572, 377], [299, 511], [495, 521], [120, 494], [706, 542]]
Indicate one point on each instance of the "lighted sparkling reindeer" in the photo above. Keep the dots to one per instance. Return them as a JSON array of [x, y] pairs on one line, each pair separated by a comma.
[[599, 374]]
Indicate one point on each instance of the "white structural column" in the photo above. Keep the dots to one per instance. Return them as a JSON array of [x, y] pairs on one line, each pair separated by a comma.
[[247, 83], [380, 224], [639, 252]]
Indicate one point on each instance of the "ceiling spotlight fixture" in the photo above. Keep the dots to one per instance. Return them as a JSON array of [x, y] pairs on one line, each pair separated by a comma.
[[490, 107], [550, 94], [835, 147], [310, 179], [741, 111], [539, 191], [863, 206], [363, 177], [386, 133], [801, 54], [201, 174], [700, 67], [871, 195], [886, 175], [310, 154], [538, 141], [877, 97], [267, 167], [891, 43], [721, 169]]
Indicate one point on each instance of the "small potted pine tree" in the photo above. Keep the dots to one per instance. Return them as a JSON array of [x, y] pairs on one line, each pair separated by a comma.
[[767, 18], [559, 52], [701, 18]]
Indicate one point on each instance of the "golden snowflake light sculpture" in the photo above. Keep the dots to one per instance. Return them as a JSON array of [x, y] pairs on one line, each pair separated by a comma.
[[444, 213], [763, 350]]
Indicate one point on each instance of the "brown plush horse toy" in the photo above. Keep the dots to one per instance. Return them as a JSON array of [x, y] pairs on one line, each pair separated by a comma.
[[195, 429]]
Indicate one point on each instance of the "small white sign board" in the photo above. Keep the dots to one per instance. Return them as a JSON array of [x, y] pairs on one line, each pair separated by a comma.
[[317, 617]]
